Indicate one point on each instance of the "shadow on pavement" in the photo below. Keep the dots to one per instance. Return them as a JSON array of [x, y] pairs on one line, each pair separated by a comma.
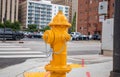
[[5, 62]]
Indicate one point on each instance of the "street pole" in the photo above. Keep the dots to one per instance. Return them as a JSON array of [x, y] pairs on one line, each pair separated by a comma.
[[4, 19], [116, 50]]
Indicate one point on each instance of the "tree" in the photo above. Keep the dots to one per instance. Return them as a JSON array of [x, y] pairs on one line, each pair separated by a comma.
[[46, 28], [73, 23], [8, 24], [1, 25], [32, 27], [16, 25]]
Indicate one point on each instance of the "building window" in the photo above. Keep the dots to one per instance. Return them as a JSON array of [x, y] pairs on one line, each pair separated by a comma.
[[81, 7], [15, 11], [80, 28], [96, 0], [113, 4], [30, 3], [96, 8], [86, 2], [10, 10], [96, 17], [66, 8], [60, 8], [90, 1], [1, 11], [113, 15]]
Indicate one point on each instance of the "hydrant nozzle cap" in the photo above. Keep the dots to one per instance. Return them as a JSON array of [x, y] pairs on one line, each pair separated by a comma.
[[59, 20]]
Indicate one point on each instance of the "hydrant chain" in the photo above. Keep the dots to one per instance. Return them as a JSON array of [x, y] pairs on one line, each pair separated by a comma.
[[59, 51], [48, 53], [51, 50]]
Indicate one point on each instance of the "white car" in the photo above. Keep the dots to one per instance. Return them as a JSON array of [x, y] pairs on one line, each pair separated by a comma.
[[75, 35], [84, 37]]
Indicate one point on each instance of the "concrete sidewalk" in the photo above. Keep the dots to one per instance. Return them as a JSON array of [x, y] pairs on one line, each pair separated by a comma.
[[94, 70], [98, 66]]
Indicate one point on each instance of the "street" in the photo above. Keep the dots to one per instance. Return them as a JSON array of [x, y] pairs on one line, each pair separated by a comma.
[[14, 52]]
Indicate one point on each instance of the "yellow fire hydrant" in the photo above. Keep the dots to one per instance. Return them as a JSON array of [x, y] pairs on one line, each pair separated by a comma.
[[57, 38]]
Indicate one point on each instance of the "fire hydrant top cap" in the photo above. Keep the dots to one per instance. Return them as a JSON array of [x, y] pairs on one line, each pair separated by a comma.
[[60, 19]]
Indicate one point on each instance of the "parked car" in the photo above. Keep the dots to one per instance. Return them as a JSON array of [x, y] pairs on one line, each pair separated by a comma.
[[30, 34], [84, 37], [8, 33], [96, 37], [75, 35], [38, 35], [90, 37]]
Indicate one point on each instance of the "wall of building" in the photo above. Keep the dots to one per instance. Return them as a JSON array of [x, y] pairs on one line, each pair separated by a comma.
[[94, 26], [9, 10], [82, 16], [40, 12], [56, 8], [87, 16], [111, 8], [0, 10], [67, 3], [20, 1], [75, 10], [23, 13], [74, 7]]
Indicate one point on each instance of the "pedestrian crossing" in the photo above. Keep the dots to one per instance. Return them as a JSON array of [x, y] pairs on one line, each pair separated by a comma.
[[12, 50]]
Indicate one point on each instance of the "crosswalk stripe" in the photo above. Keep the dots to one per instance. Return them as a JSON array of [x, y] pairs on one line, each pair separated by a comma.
[[4, 44], [10, 46], [21, 56], [21, 52], [1, 49], [16, 51]]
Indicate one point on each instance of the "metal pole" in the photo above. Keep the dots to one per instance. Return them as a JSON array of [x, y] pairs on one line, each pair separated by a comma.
[[4, 19], [4, 30], [116, 51]]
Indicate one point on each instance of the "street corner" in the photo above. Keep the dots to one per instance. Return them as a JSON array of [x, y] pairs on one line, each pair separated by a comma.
[[88, 59]]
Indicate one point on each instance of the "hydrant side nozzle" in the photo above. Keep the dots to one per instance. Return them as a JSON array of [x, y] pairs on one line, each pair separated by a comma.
[[68, 37], [45, 37], [48, 36]]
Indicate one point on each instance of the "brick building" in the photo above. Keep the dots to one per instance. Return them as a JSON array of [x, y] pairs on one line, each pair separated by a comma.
[[88, 17], [111, 9], [20, 1]]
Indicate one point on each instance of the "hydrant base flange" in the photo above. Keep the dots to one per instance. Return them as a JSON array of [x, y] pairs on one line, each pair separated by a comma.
[[58, 69]]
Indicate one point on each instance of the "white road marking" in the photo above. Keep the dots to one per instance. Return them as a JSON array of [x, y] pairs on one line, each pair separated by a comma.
[[10, 46], [74, 59], [1, 49], [21, 56], [21, 52]]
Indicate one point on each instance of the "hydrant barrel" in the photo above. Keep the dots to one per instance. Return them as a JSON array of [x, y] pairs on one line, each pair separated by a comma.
[[57, 38]]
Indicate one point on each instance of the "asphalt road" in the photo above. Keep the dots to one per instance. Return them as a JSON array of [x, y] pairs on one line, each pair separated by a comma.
[[5, 62], [75, 48]]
